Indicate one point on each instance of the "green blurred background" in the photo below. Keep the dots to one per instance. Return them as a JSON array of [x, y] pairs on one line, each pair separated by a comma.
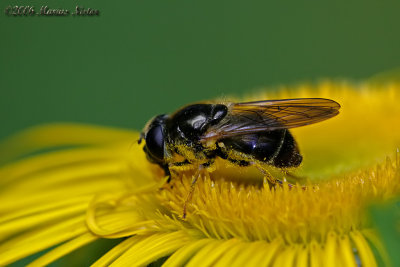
[[141, 58]]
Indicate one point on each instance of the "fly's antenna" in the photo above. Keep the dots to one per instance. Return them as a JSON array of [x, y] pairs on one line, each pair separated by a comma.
[[140, 138]]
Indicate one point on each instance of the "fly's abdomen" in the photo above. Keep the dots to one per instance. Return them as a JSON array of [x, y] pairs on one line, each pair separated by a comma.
[[276, 148], [288, 154], [261, 146]]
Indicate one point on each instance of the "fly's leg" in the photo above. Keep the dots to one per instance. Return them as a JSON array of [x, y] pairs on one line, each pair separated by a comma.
[[191, 190], [196, 176], [171, 168], [295, 179], [272, 181]]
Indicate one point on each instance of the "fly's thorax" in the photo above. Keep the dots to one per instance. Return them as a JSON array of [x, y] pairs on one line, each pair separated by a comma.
[[189, 123]]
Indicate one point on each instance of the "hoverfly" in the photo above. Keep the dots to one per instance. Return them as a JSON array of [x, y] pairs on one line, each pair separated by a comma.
[[250, 133]]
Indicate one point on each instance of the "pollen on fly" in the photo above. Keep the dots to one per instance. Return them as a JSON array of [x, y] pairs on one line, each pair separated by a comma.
[[245, 134]]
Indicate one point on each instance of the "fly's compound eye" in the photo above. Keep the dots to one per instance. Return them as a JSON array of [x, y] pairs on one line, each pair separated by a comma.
[[155, 142]]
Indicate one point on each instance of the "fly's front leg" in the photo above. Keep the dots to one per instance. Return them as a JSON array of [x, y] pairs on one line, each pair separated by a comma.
[[191, 190], [200, 170], [172, 168]]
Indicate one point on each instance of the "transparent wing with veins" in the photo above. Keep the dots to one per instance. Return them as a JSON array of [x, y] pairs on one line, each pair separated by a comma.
[[269, 115]]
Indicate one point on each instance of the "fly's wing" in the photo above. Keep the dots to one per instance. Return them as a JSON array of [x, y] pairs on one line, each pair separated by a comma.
[[259, 116]]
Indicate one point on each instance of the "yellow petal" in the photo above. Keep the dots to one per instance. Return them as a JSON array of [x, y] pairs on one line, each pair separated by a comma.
[[64, 249]]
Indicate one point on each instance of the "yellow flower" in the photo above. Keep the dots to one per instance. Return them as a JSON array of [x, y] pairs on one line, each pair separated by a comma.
[[90, 183]]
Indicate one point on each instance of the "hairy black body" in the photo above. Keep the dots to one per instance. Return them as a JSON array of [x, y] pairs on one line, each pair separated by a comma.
[[188, 126]]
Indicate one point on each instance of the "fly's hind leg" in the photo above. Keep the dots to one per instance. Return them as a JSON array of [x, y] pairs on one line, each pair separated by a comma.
[[268, 178], [295, 179]]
